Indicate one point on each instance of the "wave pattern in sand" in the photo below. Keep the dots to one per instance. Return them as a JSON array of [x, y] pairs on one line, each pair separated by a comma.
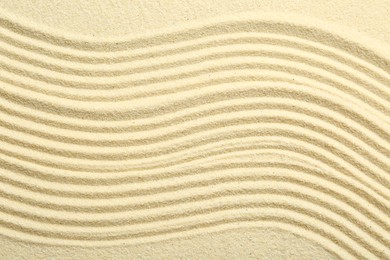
[[244, 121]]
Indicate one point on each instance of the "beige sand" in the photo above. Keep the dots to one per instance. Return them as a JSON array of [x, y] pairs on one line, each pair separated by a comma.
[[233, 135]]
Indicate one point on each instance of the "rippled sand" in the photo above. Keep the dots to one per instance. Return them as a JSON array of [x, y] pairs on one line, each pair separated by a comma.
[[228, 127]]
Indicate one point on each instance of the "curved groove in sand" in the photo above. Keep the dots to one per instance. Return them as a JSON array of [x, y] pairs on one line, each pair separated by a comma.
[[249, 119], [378, 177], [124, 186], [180, 200]]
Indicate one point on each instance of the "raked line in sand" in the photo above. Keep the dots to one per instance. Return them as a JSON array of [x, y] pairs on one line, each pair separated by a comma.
[[249, 119]]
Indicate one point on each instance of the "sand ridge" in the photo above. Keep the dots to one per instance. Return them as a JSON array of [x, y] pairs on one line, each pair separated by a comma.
[[248, 118]]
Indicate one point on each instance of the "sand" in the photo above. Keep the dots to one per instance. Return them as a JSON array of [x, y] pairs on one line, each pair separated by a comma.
[[251, 130]]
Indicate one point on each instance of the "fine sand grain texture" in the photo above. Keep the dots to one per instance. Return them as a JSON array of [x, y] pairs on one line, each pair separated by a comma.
[[188, 130]]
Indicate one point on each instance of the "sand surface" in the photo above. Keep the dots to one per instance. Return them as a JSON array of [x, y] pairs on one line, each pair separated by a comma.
[[181, 130]]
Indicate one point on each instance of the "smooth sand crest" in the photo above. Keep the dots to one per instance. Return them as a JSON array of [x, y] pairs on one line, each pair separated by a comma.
[[245, 242], [250, 120]]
